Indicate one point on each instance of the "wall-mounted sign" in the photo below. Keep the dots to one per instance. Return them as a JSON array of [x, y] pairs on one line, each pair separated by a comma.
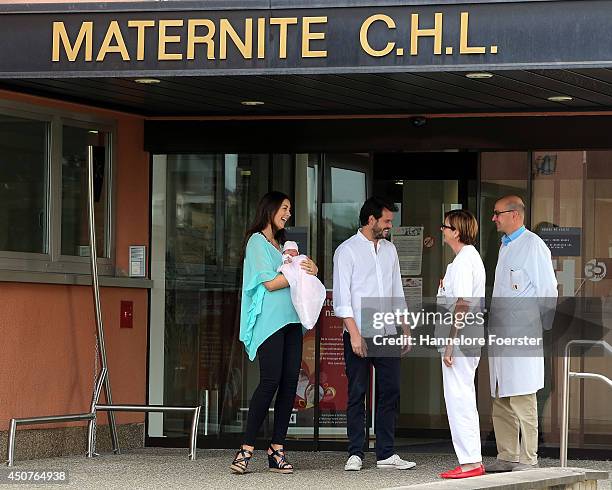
[[223, 40], [138, 261], [562, 241], [595, 269]]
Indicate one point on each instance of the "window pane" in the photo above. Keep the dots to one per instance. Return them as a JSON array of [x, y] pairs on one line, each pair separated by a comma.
[[75, 231], [210, 201], [501, 174], [23, 170]]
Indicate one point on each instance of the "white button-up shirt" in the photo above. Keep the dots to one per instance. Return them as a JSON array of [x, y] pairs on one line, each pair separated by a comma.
[[361, 271]]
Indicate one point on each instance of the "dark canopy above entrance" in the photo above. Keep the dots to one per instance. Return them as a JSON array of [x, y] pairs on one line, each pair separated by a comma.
[[376, 94]]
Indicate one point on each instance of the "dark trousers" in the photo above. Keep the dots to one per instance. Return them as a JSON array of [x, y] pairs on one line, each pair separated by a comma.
[[387, 398], [280, 357]]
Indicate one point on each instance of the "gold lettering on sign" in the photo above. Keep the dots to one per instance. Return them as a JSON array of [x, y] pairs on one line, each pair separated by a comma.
[[363, 35], [463, 39], [261, 38], [113, 32], [308, 36], [436, 32], [72, 51], [207, 39], [140, 25], [166, 39], [245, 47], [282, 23]]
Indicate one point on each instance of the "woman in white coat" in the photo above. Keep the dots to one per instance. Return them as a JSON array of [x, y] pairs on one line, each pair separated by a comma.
[[462, 291]]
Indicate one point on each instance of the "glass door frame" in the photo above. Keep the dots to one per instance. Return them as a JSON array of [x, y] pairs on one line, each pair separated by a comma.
[[324, 197]]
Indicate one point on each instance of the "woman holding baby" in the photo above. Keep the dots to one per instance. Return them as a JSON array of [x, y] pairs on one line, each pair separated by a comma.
[[270, 329]]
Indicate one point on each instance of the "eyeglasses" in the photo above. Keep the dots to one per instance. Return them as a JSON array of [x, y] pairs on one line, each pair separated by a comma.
[[451, 228], [497, 213]]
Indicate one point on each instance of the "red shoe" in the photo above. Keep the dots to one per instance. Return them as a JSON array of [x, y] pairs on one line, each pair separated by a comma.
[[448, 473], [457, 473]]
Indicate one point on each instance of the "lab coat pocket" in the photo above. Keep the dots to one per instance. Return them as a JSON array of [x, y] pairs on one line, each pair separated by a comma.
[[441, 296], [518, 280]]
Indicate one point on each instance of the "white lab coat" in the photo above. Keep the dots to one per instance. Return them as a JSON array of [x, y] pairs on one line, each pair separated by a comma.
[[524, 285], [307, 292]]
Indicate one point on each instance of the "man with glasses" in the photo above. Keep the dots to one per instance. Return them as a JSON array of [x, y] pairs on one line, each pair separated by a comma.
[[524, 286]]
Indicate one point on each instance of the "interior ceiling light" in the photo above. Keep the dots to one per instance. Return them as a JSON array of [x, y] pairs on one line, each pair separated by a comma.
[[479, 75], [92, 131], [560, 98], [147, 81], [252, 102]]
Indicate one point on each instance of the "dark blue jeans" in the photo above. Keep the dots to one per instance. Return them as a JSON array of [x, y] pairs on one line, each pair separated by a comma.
[[387, 398]]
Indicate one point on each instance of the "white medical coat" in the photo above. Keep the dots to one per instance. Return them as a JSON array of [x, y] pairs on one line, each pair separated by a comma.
[[524, 270]]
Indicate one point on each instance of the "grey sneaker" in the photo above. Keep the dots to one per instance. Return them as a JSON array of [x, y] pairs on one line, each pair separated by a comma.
[[353, 463], [395, 463], [500, 466], [524, 467]]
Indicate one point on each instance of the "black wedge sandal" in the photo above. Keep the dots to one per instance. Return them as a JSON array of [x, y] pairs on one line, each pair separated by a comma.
[[241, 461], [280, 465]]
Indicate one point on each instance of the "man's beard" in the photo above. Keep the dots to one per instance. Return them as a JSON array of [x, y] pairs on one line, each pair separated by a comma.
[[378, 233]]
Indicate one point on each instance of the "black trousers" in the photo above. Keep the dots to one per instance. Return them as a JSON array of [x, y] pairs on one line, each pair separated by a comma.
[[387, 398], [280, 357]]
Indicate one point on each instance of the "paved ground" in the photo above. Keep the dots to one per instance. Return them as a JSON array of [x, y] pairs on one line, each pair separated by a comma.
[[154, 468]]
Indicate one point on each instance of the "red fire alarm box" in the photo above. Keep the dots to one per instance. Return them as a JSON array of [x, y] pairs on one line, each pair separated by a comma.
[[126, 318]]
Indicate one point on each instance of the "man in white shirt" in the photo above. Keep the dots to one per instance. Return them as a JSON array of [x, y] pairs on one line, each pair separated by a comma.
[[525, 284], [366, 266]]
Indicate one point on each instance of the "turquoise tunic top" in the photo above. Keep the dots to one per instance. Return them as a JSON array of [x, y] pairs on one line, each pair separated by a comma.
[[262, 312]]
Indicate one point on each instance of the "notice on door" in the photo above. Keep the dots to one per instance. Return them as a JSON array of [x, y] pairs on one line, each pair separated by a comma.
[[408, 241]]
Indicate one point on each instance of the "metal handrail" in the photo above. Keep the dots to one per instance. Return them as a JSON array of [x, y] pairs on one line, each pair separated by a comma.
[[567, 374], [193, 433], [102, 382], [12, 433]]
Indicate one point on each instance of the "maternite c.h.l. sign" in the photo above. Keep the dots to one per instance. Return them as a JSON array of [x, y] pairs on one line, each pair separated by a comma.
[[323, 40]]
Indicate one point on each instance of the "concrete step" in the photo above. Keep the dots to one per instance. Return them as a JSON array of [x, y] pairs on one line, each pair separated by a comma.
[[557, 478]]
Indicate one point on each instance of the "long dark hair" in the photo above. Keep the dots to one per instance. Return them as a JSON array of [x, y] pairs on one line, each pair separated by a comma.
[[267, 208]]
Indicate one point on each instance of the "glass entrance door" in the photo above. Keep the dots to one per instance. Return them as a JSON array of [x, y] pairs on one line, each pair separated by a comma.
[[347, 181], [424, 186]]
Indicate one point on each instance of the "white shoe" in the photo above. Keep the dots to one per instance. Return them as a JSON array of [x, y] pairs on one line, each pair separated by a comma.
[[395, 463], [353, 463]]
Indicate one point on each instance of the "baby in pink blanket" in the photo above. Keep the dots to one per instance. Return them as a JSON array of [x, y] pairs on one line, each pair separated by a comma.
[[307, 292]]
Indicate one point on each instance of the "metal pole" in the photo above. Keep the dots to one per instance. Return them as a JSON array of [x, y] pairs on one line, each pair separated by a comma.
[[96, 294], [207, 405], [565, 407], [567, 374], [11, 442], [74, 417], [600, 377], [91, 426], [144, 408], [194, 433]]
